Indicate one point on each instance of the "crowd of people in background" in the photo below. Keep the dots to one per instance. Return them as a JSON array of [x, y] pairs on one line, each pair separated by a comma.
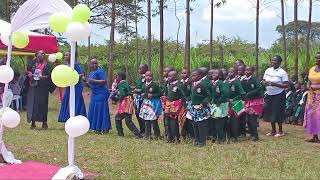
[[220, 105]]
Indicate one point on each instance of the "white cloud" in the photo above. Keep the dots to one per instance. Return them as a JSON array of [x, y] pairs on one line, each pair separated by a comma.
[[241, 10]]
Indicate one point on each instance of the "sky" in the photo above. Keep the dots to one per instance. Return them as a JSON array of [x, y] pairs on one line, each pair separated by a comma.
[[235, 18]]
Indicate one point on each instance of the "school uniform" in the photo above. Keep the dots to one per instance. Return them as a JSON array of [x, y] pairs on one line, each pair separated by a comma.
[[187, 129], [219, 109], [174, 110], [164, 92], [125, 109], [290, 104], [236, 95], [298, 116], [199, 111], [242, 118], [151, 108], [138, 99], [253, 103], [211, 128]]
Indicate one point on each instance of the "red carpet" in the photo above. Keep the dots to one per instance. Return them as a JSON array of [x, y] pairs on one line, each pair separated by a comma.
[[28, 171]]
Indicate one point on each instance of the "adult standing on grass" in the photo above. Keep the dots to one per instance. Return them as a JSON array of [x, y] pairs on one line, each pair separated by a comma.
[[80, 108], [99, 115], [38, 73], [312, 111], [276, 80]]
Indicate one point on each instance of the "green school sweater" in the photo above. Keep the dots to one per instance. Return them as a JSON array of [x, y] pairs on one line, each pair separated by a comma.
[[153, 88], [200, 94], [175, 91], [236, 89], [252, 87], [220, 92], [208, 83], [124, 89], [139, 84], [164, 87], [187, 89]]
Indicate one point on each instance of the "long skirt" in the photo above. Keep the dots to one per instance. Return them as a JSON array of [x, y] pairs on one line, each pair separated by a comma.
[[175, 110], [99, 115], [274, 108], [80, 108], [197, 113], [37, 104], [312, 113]]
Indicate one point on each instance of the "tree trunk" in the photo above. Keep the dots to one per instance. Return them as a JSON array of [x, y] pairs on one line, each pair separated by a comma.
[[149, 35], [137, 40], [7, 11], [126, 38], [257, 37], [161, 53], [211, 36], [284, 43], [111, 42], [222, 54], [178, 31], [187, 63], [308, 36], [89, 48], [296, 49]]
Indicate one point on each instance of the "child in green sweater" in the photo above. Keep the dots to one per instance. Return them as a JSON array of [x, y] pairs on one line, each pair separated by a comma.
[[125, 107]]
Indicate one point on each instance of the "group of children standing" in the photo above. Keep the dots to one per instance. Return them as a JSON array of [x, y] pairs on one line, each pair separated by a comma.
[[296, 97], [212, 104]]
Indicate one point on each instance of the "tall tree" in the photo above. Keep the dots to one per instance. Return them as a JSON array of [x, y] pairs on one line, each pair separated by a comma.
[[111, 42], [296, 42], [149, 50], [211, 33], [161, 53], [257, 36], [284, 43], [187, 63], [136, 17], [126, 39], [177, 35], [308, 35]]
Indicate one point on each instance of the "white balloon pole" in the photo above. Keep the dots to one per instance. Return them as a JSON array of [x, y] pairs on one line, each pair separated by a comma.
[[7, 155], [71, 169]]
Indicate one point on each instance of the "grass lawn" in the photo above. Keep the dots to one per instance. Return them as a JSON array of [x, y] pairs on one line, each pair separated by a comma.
[[112, 157]]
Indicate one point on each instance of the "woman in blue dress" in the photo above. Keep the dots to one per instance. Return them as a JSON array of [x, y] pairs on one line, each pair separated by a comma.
[[80, 108], [99, 115]]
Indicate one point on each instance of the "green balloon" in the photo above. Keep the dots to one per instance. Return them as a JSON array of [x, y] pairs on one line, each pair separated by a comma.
[[59, 21], [20, 39], [81, 13], [59, 55], [74, 77], [62, 76]]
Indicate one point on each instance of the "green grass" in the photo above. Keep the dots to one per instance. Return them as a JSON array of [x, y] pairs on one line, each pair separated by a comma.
[[112, 157]]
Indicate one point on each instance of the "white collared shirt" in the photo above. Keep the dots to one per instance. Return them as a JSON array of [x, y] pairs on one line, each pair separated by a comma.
[[276, 76]]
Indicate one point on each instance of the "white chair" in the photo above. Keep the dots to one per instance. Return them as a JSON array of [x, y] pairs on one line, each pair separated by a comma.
[[9, 97], [17, 99]]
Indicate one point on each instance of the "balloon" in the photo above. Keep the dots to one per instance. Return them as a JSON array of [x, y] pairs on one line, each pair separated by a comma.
[[20, 39], [6, 74], [52, 58], [74, 78], [59, 21], [5, 38], [77, 126], [62, 76], [10, 118], [77, 31], [81, 13], [59, 55]]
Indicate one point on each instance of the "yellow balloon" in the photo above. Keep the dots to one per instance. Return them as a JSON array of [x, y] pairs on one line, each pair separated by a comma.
[[59, 21], [62, 76], [20, 39], [59, 55], [74, 77], [81, 13]]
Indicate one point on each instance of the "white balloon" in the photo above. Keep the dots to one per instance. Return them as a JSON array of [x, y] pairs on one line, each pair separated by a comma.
[[77, 126], [76, 31], [88, 28], [5, 39], [52, 58], [6, 74], [10, 118]]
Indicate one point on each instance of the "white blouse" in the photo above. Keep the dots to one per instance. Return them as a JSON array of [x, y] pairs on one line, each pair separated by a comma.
[[276, 76]]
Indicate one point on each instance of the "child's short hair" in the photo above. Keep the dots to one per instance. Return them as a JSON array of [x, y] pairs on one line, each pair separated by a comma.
[[122, 75]]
